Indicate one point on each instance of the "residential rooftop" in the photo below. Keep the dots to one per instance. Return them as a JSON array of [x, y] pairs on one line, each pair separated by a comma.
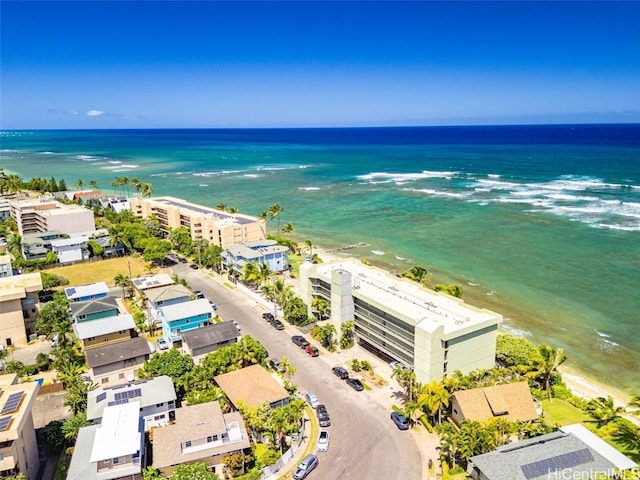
[[169, 292], [88, 307], [209, 335], [178, 311], [223, 218], [253, 385], [116, 352], [413, 303], [80, 291], [152, 281], [103, 326]]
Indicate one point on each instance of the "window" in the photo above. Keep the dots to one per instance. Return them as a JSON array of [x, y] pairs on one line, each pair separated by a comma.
[[121, 376], [187, 444], [158, 417], [159, 404], [105, 380], [212, 438]]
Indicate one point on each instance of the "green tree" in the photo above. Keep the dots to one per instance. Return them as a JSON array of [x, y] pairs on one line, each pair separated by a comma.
[[181, 241], [53, 436], [150, 473], [545, 364], [79, 184], [172, 363], [50, 280], [287, 229], [325, 334], [275, 211], [418, 274], [73, 424], [453, 290], [512, 350], [347, 338], [193, 471], [121, 280], [320, 306], [95, 249], [604, 410]]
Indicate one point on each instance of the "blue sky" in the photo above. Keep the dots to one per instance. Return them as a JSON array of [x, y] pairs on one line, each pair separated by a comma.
[[313, 64]]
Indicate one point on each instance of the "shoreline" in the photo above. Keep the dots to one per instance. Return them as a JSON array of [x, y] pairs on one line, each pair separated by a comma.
[[580, 384]]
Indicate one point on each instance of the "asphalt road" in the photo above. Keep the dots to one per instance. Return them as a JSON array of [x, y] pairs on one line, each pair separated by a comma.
[[364, 442]]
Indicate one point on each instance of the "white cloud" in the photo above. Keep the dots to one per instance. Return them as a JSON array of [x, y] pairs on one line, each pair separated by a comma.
[[94, 113]]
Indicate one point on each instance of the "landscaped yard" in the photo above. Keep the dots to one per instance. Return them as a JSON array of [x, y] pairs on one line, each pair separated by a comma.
[[102, 270], [564, 413]]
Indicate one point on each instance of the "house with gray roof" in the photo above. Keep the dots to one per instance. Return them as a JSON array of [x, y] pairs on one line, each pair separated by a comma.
[[571, 452], [94, 309], [105, 331], [258, 251], [118, 363], [91, 291], [199, 342], [70, 250], [142, 284], [200, 433], [111, 450], [156, 396]]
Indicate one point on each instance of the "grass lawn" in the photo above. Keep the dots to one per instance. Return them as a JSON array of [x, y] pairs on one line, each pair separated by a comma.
[[101, 271], [564, 413]]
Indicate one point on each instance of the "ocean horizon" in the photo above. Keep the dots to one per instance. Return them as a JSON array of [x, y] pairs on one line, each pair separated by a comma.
[[540, 223]]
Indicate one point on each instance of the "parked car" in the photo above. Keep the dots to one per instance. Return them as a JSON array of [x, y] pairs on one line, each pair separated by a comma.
[[268, 317], [305, 467], [162, 344], [300, 341], [213, 305], [400, 420], [275, 363], [312, 399], [323, 441], [277, 324], [194, 266], [355, 384], [321, 408], [236, 325], [312, 350], [323, 419], [198, 293], [340, 372]]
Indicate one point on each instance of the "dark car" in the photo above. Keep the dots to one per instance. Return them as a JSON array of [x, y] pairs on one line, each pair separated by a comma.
[[400, 420], [355, 384], [312, 350], [268, 317], [277, 324], [323, 419], [340, 372], [305, 467], [321, 408], [194, 266], [300, 341]]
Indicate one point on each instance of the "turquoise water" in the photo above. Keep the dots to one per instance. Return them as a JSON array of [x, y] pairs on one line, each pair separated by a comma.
[[541, 224]]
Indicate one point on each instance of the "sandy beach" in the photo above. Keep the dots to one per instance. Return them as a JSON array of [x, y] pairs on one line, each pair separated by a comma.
[[577, 382]]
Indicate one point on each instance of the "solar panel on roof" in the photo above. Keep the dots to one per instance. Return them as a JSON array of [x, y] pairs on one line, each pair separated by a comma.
[[121, 401], [101, 397], [556, 464], [71, 291], [135, 393], [4, 423], [120, 396], [12, 403]]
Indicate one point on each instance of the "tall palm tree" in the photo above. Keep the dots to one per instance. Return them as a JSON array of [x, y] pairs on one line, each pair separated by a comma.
[[121, 280], [137, 184], [309, 245], [275, 211], [222, 206], [93, 184], [233, 210], [79, 184], [604, 410], [287, 228], [147, 189], [545, 364]]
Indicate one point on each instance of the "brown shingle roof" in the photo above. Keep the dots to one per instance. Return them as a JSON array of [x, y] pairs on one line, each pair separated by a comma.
[[253, 385], [512, 401]]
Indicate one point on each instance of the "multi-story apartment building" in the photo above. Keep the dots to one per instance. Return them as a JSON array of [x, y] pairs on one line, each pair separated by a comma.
[[6, 270], [18, 307], [18, 445], [216, 226], [433, 333], [43, 214]]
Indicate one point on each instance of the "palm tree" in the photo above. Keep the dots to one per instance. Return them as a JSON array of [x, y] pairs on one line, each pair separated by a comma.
[[137, 184], [309, 245], [604, 410], [287, 228], [634, 403], [121, 280], [93, 184], [545, 364], [275, 211], [79, 184], [147, 189], [222, 206], [436, 398], [233, 210], [124, 181], [73, 424]]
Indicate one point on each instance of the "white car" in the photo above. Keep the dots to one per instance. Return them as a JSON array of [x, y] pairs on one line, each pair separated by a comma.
[[312, 399], [236, 325], [162, 344], [323, 441]]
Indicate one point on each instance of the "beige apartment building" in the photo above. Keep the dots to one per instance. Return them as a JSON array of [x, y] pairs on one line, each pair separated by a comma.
[[43, 214], [216, 226], [18, 307], [18, 445], [433, 333]]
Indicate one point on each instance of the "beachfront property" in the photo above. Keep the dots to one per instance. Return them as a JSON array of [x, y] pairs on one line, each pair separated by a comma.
[[113, 449], [433, 333], [93, 309], [259, 251], [571, 452], [254, 385], [89, 291], [43, 214], [118, 363], [510, 401], [182, 317], [199, 342], [18, 307], [18, 445], [215, 226], [6, 270], [156, 396], [5, 210], [200, 433], [117, 204]]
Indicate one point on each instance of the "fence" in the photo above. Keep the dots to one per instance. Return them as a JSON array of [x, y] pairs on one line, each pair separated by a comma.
[[286, 456]]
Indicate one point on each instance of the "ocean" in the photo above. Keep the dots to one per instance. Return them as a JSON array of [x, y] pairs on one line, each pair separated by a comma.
[[539, 223]]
